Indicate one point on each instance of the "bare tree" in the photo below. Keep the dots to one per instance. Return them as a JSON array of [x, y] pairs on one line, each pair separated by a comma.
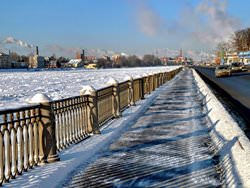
[[241, 40]]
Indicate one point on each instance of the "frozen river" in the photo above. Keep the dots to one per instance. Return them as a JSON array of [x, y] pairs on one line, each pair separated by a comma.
[[18, 86]]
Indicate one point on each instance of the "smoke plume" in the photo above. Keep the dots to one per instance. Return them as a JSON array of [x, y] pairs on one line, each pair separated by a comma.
[[219, 25], [148, 21], [71, 51], [202, 25], [12, 40]]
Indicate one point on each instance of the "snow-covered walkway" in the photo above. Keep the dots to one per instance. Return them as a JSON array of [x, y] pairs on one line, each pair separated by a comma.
[[163, 141], [168, 145]]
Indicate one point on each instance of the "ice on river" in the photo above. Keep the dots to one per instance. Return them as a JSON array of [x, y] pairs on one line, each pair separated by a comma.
[[18, 86]]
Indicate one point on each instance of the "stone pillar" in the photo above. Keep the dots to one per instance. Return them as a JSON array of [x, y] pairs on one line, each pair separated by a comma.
[[146, 83], [116, 97], [142, 88], [161, 78], [164, 77], [157, 80], [46, 130], [131, 90], [151, 82], [93, 123]]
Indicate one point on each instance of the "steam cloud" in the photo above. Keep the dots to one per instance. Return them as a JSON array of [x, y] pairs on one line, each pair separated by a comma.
[[148, 20], [219, 26], [71, 52], [12, 40], [62, 50], [205, 24]]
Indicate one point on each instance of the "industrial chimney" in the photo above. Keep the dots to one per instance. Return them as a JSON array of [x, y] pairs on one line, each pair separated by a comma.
[[83, 55], [37, 51]]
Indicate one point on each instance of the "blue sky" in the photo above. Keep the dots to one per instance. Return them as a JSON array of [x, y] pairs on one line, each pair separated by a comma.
[[132, 26]]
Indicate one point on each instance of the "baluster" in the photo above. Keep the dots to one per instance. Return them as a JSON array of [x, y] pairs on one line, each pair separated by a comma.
[[1, 159], [83, 115], [76, 120], [61, 125], [19, 143], [31, 121], [64, 111], [7, 160], [57, 116], [66, 123], [70, 141], [72, 122], [76, 117], [87, 115], [26, 144], [13, 147], [2, 154], [36, 137], [55, 112], [67, 109], [64, 128], [80, 118]]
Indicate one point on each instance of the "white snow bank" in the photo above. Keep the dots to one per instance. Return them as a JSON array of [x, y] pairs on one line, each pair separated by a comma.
[[227, 130]]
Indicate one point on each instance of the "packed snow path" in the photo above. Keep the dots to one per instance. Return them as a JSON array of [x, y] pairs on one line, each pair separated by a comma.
[[168, 146]]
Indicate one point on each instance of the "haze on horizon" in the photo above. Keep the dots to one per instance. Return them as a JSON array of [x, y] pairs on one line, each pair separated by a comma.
[[132, 26]]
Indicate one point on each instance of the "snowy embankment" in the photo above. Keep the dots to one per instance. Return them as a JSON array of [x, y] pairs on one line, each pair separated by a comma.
[[18, 86], [229, 138], [85, 152]]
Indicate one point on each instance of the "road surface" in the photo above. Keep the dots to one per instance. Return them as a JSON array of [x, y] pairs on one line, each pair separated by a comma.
[[237, 85]]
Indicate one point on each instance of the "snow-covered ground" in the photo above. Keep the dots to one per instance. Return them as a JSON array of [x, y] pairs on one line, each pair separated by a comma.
[[229, 138], [18, 86], [54, 174]]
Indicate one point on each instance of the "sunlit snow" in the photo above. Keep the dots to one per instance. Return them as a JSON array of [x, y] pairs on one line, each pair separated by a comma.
[[18, 86]]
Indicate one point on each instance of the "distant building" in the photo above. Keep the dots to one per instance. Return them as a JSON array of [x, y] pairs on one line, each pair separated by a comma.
[[19, 64], [116, 58], [5, 62], [36, 61], [90, 58], [164, 60], [180, 58], [244, 57], [75, 63], [52, 64], [106, 57], [80, 55], [231, 57]]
